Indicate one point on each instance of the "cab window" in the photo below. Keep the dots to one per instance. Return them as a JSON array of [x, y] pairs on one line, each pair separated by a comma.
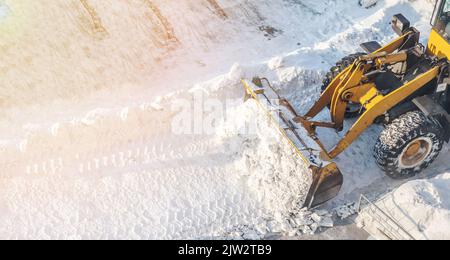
[[442, 22]]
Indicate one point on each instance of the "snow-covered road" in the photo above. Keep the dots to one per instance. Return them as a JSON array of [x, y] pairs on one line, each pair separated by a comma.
[[89, 147]]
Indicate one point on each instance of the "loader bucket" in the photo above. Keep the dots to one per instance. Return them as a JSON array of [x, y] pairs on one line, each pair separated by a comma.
[[327, 182], [327, 179]]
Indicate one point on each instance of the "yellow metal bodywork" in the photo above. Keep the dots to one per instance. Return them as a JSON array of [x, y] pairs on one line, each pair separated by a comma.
[[376, 104], [342, 78], [394, 45], [391, 59], [438, 46], [351, 85]]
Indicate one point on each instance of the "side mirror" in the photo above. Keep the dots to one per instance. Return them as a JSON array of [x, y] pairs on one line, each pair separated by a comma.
[[400, 24]]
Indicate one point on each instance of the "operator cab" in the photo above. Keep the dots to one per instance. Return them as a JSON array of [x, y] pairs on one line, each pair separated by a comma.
[[438, 44]]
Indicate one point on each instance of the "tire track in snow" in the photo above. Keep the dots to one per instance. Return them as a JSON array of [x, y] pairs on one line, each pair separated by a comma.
[[156, 167], [168, 30], [218, 9], [95, 18], [188, 185], [123, 156]]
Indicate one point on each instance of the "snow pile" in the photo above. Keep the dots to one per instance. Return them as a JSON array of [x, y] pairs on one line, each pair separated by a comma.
[[346, 210], [421, 208], [310, 222], [300, 222], [275, 173]]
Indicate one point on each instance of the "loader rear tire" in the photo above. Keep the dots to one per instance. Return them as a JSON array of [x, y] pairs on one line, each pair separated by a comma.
[[353, 110], [408, 145]]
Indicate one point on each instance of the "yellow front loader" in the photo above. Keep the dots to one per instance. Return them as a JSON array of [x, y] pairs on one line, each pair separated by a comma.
[[402, 85]]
